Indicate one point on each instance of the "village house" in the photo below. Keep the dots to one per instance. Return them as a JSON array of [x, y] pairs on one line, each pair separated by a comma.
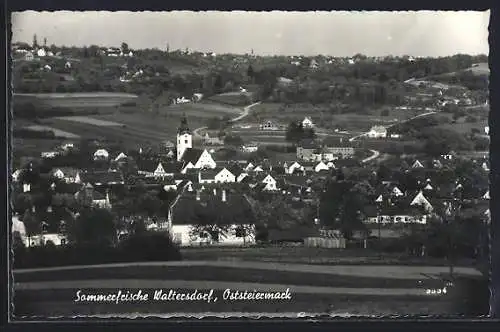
[[377, 132], [330, 152], [307, 123], [157, 169], [306, 149], [67, 174], [212, 140], [188, 215], [102, 178], [249, 148], [29, 56], [197, 159], [216, 175], [269, 125], [101, 154]]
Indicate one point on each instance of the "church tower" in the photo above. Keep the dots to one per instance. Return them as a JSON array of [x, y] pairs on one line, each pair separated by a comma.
[[184, 138]]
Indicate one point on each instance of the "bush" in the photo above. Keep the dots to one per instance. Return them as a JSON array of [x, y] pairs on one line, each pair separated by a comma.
[[144, 247]]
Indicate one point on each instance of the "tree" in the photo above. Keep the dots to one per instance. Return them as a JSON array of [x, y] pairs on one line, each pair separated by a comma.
[[250, 71], [35, 41], [22, 203], [233, 140], [342, 205], [93, 227], [124, 47]]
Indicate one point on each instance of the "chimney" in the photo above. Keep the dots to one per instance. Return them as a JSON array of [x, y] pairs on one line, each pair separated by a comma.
[[197, 195], [224, 195]]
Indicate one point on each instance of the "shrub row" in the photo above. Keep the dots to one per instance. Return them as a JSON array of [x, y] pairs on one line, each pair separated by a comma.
[[141, 248]]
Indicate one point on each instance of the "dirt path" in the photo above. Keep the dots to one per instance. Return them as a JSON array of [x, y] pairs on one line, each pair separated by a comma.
[[246, 111]]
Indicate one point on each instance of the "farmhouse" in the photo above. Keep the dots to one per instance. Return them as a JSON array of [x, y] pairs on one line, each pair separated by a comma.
[[216, 175], [266, 182], [377, 132], [206, 218]]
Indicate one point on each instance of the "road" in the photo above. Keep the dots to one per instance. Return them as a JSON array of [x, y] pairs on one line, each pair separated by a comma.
[[246, 111], [376, 154]]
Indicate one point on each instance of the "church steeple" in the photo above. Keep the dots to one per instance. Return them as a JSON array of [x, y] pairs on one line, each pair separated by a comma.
[[184, 138], [183, 128]]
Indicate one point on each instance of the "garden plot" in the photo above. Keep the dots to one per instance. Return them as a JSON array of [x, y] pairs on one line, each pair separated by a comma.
[[91, 121]]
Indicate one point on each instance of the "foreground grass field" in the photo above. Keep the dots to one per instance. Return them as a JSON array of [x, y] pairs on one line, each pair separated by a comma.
[[361, 290]]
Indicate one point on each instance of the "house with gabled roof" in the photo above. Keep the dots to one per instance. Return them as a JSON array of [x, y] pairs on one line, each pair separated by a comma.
[[197, 158], [421, 200], [121, 156], [417, 164], [234, 215], [295, 166], [225, 176], [486, 195]]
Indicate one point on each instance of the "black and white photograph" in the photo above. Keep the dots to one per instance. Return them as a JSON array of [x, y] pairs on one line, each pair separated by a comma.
[[187, 164]]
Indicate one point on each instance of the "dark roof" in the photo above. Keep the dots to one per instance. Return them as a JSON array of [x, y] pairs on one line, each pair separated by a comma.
[[210, 173], [297, 180], [308, 144], [68, 188], [211, 209], [192, 155], [102, 177]]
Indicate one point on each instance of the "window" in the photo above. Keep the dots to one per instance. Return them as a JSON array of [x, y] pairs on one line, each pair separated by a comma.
[[185, 141]]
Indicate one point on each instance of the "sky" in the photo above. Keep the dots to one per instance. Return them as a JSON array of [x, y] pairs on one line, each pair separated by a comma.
[[422, 33]]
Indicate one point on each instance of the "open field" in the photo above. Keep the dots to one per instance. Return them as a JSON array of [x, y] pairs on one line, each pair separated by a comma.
[[232, 98], [90, 121], [322, 117], [75, 100], [57, 132], [202, 110], [359, 289], [466, 127]]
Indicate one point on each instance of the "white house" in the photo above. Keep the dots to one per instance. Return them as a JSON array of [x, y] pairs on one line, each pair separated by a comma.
[[101, 154], [44, 239], [249, 148], [29, 56], [41, 52], [16, 175], [321, 166], [235, 211], [377, 132], [121, 156], [225, 176], [420, 199], [270, 183], [69, 175], [241, 177], [293, 167], [196, 158], [49, 154], [249, 167], [487, 130], [486, 195], [417, 164], [197, 97], [397, 192], [307, 123]]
